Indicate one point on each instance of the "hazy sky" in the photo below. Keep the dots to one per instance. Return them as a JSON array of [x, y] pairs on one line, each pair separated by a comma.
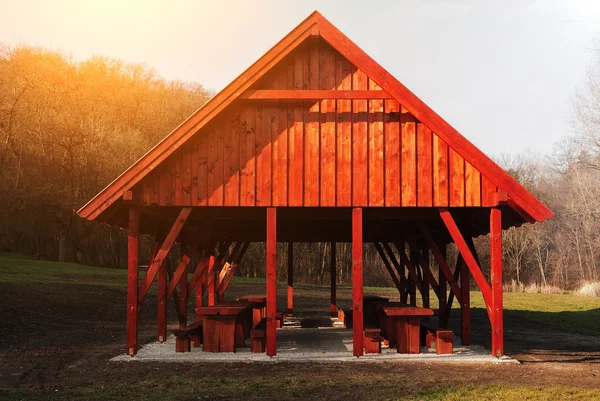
[[502, 72]]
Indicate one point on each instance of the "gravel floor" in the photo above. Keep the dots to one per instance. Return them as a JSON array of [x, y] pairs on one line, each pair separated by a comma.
[[311, 340]]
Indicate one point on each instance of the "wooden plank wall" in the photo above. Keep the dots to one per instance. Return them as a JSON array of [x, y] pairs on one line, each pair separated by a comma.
[[316, 153]]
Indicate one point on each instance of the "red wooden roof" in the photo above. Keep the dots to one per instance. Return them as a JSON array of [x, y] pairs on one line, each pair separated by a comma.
[[519, 198]]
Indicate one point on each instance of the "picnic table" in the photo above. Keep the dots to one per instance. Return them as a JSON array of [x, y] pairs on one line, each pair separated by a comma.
[[402, 325], [259, 310], [370, 307], [225, 326]]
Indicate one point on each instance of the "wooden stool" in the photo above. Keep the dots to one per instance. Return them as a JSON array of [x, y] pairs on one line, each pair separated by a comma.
[[443, 342]]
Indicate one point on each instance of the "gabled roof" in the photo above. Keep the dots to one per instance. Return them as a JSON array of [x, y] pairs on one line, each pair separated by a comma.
[[316, 24]]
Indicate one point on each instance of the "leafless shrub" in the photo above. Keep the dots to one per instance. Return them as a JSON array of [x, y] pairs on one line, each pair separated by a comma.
[[532, 288], [589, 289]]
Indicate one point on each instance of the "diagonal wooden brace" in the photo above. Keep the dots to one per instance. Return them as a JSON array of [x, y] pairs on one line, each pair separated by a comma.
[[162, 253], [388, 266], [234, 265], [198, 273], [177, 275], [468, 257], [440, 259], [412, 272]]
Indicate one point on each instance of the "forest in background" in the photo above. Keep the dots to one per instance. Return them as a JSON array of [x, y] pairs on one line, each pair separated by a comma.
[[68, 128]]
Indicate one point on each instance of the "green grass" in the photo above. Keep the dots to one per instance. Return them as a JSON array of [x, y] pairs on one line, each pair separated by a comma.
[[566, 311]]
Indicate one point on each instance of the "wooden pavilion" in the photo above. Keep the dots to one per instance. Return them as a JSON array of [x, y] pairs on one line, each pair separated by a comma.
[[315, 141]]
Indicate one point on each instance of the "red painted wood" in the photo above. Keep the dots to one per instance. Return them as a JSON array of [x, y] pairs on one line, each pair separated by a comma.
[[359, 142], [290, 277], [375, 157], [271, 278], [443, 288], [186, 175], [162, 252], [424, 166], [333, 280], [133, 238], [392, 153], [496, 279], [264, 115], [248, 156], [202, 199], [344, 134], [357, 281], [311, 133], [183, 287], [440, 172], [472, 186], [215, 164], [210, 280], [318, 94], [162, 299], [488, 192], [457, 178], [231, 157], [179, 272], [465, 305], [468, 257], [279, 143], [408, 158], [296, 132], [327, 115], [439, 257]]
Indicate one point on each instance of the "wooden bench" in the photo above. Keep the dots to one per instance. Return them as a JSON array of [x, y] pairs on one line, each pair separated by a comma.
[[258, 337], [183, 336], [372, 339], [431, 331], [279, 317]]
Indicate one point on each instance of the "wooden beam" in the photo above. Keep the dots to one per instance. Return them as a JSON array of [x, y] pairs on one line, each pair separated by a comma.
[[290, 277], [400, 268], [496, 278], [357, 282], [133, 239], [231, 272], [387, 265], [332, 270], [271, 273], [412, 272], [465, 304], [422, 256], [162, 253], [183, 292], [440, 259], [468, 257], [442, 292], [177, 275], [445, 317], [198, 273], [306, 94]]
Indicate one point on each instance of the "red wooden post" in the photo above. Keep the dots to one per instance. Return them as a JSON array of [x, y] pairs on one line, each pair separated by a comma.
[[357, 281], [290, 275], [200, 290], [210, 280], [183, 288], [496, 278], [443, 286], [133, 239], [465, 304], [333, 305], [271, 271], [162, 302], [425, 286]]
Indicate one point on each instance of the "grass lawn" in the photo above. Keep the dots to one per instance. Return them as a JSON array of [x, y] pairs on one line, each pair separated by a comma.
[[75, 296]]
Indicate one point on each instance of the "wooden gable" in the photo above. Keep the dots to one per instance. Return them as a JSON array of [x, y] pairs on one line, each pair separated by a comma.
[[316, 152], [324, 145]]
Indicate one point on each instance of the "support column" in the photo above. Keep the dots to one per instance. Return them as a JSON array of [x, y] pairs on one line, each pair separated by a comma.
[[200, 288], [465, 304], [443, 300], [333, 274], [162, 301], [133, 239], [182, 301], [496, 278], [357, 281], [290, 276], [425, 277], [210, 279], [271, 271]]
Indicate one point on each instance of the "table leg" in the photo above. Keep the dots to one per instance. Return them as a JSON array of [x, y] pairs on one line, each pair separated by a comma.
[[210, 335], [401, 326], [241, 326], [227, 334], [413, 340]]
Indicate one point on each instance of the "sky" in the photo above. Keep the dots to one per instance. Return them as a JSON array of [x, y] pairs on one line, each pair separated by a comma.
[[502, 72]]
